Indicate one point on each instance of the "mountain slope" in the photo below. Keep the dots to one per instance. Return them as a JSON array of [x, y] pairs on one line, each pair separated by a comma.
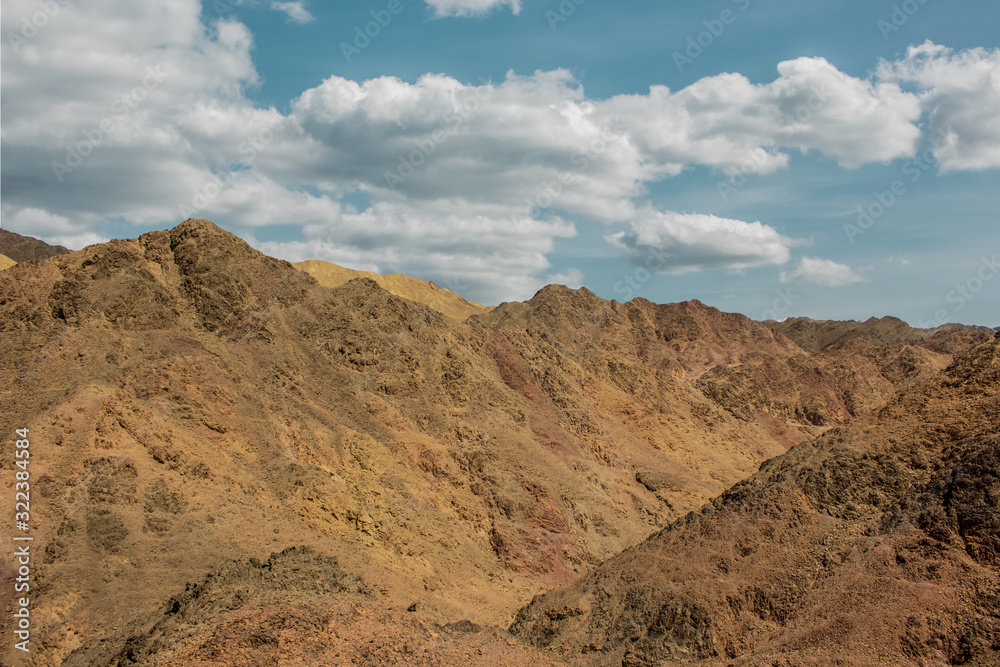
[[816, 335], [875, 544], [192, 402], [444, 301], [296, 608], [23, 248]]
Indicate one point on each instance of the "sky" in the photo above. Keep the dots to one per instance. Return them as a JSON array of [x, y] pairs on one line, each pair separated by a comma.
[[835, 160]]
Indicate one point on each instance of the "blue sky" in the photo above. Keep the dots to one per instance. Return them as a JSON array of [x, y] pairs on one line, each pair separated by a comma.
[[834, 160]]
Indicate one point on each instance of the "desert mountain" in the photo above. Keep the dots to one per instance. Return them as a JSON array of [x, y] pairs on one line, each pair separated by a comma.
[[6, 262], [444, 301], [22, 248], [815, 335], [875, 544], [193, 404]]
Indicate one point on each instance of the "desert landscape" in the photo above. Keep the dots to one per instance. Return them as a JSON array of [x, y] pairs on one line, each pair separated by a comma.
[[489, 333], [239, 461]]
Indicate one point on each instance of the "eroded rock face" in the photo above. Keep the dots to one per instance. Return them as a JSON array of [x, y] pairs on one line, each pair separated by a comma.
[[874, 544]]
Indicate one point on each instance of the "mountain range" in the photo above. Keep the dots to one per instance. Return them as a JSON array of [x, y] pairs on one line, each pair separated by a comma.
[[278, 464]]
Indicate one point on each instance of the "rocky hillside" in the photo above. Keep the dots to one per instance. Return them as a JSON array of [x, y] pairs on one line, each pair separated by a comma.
[[192, 402], [297, 608], [875, 544], [20, 248], [444, 301], [815, 335]]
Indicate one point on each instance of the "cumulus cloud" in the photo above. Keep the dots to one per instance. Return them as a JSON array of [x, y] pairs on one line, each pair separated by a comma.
[[526, 142], [58, 229], [296, 12], [571, 277], [681, 242], [725, 121], [103, 122], [471, 7], [538, 141], [961, 93], [822, 271], [470, 182], [479, 249]]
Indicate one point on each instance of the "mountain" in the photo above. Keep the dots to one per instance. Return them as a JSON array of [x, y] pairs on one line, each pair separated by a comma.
[[194, 404], [875, 544], [6, 262], [22, 248], [815, 335], [444, 301]]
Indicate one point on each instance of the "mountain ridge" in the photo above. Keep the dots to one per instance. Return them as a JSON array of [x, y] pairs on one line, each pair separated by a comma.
[[444, 301], [20, 248], [193, 402], [816, 335]]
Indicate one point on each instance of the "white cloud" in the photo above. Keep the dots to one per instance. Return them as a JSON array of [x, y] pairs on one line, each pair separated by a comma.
[[538, 139], [56, 229], [495, 172], [822, 271], [131, 97], [725, 121], [571, 277], [681, 242], [296, 12], [961, 92], [471, 7], [39, 220], [481, 249], [527, 141]]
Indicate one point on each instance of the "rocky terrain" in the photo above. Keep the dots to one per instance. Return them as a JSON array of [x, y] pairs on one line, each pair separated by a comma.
[[296, 608], [815, 335], [875, 544], [197, 408], [17, 248]]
